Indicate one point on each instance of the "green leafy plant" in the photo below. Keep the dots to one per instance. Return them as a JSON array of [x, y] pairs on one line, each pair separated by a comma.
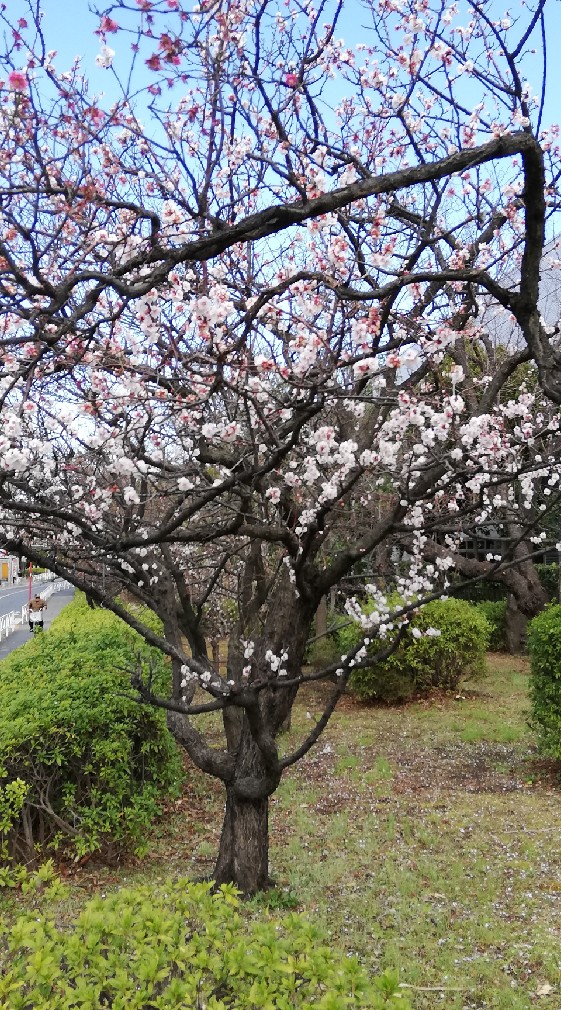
[[181, 946], [82, 765], [419, 665], [276, 899], [43, 880], [12, 798], [324, 651], [479, 592], [544, 644], [549, 578], [494, 612]]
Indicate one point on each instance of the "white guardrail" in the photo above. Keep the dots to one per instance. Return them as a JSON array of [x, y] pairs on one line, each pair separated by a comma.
[[15, 619], [8, 623]]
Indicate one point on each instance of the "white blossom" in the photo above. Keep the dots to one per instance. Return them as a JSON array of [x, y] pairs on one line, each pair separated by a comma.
[[105, 57]]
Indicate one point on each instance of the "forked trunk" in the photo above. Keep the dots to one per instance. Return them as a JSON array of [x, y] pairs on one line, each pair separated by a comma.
[[277, 625], [243, 858]]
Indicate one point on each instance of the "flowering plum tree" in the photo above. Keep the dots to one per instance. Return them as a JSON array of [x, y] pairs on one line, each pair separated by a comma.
[[242, 299]]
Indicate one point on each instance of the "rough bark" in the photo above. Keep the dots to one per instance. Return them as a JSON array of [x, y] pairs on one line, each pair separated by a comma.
[[321, 617], [243, 857], [251, 731], [527, 597], [522, 581], [515, 627]]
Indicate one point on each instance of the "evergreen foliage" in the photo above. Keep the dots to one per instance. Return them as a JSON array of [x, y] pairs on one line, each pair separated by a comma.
[[421, 664], [544, 643], [494, 612], [181, 947], [82, 764], [549, 578]]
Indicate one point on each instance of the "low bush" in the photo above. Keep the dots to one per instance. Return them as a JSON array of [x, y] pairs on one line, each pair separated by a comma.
[[419, 665], [326, 650], [482, 591], [494, 612], [82, 765], [182, 946], [544, 644], [549, 578]]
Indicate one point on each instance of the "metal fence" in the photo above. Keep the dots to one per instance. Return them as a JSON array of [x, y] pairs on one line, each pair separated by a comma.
[[15, 619], [8, 623]]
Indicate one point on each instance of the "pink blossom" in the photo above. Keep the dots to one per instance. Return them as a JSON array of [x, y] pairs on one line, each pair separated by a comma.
[[365, 367], [108, 25], [291, 80], [95, 115], [17, 80]]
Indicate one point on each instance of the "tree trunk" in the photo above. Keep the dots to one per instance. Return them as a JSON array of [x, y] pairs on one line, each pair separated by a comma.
[[527, 595], [321, 617], [243, 857], [278, 625], [516, 624]]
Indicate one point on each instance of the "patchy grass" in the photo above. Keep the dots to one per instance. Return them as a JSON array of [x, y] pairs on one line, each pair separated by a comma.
[[426, 837]]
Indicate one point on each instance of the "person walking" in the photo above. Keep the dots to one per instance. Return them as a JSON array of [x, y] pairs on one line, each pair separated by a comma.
[[36, 607]]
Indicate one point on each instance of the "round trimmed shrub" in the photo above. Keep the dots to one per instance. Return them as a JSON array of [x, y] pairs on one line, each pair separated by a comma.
[[82, 764], [419, 665], [544, 645], [182, 946]]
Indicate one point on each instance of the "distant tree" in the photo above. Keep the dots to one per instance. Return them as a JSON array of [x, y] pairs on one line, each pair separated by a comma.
[[239, 296]]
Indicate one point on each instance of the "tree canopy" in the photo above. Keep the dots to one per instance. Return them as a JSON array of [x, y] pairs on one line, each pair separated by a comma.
[[245, 343]]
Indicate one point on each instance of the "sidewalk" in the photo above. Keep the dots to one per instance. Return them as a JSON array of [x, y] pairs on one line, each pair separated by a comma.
[[55, 604]]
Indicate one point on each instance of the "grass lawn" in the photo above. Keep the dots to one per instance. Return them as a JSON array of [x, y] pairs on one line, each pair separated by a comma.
[[426, 837], [429, 837]]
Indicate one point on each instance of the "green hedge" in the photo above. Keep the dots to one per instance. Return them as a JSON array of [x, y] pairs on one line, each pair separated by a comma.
[[549, 578], [181, 946], [494, 612], [326, 650], [419, 665], [482, 591], [544, 644], [485, 591], [82, 765]]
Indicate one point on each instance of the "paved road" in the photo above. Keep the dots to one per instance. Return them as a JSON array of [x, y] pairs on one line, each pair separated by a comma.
[[15, 597], [11, 599]]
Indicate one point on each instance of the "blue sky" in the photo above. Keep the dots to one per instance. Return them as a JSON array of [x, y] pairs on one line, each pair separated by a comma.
[[69, 28]]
